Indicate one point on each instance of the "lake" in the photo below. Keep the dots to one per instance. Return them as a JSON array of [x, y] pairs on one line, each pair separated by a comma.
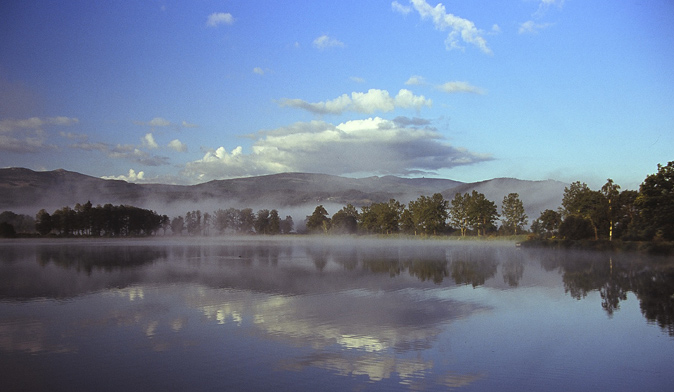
[[343, 314]]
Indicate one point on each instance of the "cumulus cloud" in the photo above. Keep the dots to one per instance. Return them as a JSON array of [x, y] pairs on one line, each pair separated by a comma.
[[28, 135], [148, 141], [415, 80], [460, 29], [258, 70], [185, 124], [218, 18], [372, 145], [460, 87], [357, 79], [369, 102], [131, 177], [177, 145], [324, 42]]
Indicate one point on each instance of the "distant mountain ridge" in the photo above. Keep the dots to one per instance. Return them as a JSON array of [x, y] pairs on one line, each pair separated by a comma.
[[27, 190]]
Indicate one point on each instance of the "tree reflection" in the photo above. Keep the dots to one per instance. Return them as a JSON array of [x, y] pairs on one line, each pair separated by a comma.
[[474, 272], [319, 256], [467, 266], [650, 279], [433, 269], [392, 267], [87, 258], [612, 292], [513, 270], [655, 290]]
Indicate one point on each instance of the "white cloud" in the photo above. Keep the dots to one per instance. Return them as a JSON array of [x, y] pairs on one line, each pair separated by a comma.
[[371, 101], [449, 87], [131, 177], [460, 87], [160, 122], [324, 42], [28, 135], [155, 122], [406, 99], [134, 154], [123, 151], [177, 145], [357, 79], [258, 71], [415, 80], [148, 141], [545, 5], [372, 145], [531, 27], [218, 18], [460, 29], [61, 120], [10, 125], [73, 136], [402, 9]]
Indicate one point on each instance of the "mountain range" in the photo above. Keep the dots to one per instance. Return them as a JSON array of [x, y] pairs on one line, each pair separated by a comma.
[[27, 191]]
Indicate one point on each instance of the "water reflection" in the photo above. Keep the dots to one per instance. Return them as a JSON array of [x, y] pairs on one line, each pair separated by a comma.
[[112, 266], [389, 313], [651, 279]]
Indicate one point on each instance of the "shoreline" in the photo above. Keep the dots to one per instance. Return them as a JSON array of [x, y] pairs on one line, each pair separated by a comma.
[[662, 248]]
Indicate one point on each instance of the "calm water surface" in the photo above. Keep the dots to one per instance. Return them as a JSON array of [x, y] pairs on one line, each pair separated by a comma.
[[331, 315]]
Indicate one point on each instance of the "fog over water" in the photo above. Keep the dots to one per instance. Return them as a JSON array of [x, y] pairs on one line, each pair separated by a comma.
[[346, 313]]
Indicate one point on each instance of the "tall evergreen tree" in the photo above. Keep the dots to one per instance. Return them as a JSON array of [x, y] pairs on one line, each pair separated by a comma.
[[318, 221]]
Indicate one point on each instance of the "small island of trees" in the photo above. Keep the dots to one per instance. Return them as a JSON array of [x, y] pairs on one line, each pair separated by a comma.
[[604, 215]]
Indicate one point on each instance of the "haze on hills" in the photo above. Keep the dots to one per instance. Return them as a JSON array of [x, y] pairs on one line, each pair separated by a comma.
[[27, 191]]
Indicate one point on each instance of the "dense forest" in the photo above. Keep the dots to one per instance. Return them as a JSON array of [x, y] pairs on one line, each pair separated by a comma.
[[607, 213]]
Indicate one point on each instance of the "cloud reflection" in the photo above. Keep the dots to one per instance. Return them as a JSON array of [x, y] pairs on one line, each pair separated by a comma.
[[371, 323], [375, 367]]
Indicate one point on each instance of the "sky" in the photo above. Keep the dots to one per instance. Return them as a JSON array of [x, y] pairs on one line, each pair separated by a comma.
[[184, 92]]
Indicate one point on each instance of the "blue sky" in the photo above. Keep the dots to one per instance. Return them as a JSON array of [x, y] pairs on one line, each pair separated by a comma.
[[186, 92]]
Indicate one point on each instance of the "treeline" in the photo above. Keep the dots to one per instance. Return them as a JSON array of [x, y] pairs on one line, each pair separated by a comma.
[[585, 214], [607, 213], [128, 221], [466, 214], [232, 221]]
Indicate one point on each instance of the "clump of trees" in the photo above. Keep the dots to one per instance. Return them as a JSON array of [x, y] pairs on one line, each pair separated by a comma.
[[107, 220], [470, 213], [609, 213], [12, 223], [232, 221]]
